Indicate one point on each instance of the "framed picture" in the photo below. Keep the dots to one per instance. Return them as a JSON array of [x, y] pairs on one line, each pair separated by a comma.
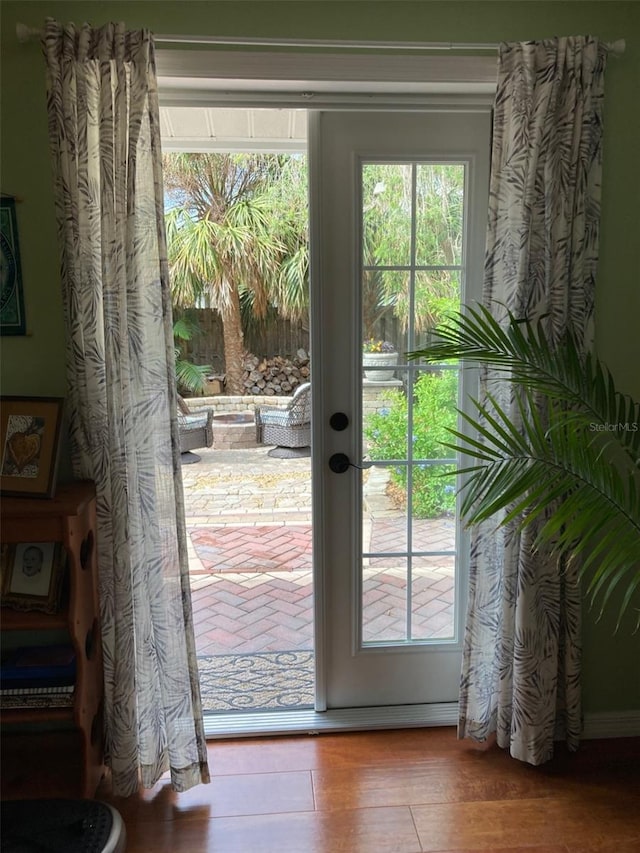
[[32, 574], [29, 445], [11, 299]]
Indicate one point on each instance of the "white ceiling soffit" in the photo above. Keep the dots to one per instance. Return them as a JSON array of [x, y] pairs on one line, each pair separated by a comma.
[[201, 92], [233, 129]]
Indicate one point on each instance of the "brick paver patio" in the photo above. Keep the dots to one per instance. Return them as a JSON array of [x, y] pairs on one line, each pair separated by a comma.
[[249, 523], [253, 549]]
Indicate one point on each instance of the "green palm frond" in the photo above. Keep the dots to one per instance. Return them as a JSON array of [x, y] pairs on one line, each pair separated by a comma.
[[559, 371], [292, 291], [185, 329], [191, 377], [564, 457]]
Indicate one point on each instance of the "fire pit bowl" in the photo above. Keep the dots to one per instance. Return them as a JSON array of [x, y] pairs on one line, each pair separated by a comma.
[[234, 431]]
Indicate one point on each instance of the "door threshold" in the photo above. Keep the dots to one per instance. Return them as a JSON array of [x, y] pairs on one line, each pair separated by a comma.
[[309, 721]]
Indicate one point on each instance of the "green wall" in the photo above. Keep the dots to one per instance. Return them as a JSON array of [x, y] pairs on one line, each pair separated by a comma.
[[35, 364]]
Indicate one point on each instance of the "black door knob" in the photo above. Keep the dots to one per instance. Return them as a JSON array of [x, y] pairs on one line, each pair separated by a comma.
[[338, 421], [339, 463]]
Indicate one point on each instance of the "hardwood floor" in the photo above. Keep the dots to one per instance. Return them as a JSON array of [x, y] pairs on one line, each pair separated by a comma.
[[393, 792]]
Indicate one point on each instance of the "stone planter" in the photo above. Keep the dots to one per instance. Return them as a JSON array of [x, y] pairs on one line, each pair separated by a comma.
[[373, 361]]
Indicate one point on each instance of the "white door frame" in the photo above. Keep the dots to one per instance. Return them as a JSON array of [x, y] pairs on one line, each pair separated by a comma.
[[409, 88]]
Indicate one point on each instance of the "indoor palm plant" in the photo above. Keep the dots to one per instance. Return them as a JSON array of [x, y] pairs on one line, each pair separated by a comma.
[[563, 454]]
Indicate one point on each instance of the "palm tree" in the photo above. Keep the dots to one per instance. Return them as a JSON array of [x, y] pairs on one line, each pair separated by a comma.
[[572, 446], [190, 377], [227, 238]]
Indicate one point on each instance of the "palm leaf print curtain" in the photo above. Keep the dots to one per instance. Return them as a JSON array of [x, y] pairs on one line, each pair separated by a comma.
[[105, 144], [521, 661]]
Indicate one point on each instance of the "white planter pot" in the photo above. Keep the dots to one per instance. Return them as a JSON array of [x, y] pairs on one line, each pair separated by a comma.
[[372, 361]]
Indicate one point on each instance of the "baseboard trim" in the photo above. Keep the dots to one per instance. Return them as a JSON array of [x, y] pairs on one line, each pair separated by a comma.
[[611, 724]]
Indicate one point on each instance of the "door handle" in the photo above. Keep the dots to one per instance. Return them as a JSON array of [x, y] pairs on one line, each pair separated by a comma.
[[340, 462]]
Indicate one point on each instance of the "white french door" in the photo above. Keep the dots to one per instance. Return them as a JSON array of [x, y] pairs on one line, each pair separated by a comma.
[[389, 549]]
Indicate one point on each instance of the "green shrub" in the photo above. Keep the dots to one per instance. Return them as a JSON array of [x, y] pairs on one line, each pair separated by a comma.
[[434, 411]]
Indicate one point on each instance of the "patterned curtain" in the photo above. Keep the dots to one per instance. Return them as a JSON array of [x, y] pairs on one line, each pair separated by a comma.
[[105, 143], [521, 661]]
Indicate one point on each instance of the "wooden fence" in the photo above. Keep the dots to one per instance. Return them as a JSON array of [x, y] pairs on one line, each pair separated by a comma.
[[274, 337]]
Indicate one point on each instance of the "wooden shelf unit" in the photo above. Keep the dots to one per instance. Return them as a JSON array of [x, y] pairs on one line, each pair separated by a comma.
[[69, 518]]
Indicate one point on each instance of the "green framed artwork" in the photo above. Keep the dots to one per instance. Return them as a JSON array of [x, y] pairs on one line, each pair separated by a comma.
[[11, 299]]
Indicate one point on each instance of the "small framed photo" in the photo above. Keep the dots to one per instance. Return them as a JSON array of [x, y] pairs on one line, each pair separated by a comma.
[[11, 299], [32, 574], [29, 445]]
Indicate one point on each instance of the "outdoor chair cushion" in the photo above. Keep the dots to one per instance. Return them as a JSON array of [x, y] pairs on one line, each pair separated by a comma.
[[196, 428], [286, 427]]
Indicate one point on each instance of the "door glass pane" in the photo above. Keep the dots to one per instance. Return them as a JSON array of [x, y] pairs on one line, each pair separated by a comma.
[[436, 294], [433, 497], [384, 592], [385, 296], [434, 413], [432, 596], [408, 519], [384, 510], [386, 214], [439, 214], [385, 420]]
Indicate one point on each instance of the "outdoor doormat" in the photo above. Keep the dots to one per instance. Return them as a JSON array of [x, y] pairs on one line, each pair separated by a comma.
[[253, 549], [266, 681]]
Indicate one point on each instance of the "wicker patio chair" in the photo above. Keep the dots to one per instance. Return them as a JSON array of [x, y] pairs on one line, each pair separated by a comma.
[[196, 428], [286, 427]]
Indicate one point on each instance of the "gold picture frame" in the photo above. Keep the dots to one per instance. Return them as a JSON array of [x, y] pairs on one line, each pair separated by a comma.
[[29, 445], [32, 575]]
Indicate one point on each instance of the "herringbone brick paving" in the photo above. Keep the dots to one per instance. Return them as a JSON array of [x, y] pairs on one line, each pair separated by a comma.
[[248, 518], [253, 549]]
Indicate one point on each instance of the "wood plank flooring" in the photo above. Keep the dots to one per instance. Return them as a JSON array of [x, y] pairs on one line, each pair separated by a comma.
[[406, 791]]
